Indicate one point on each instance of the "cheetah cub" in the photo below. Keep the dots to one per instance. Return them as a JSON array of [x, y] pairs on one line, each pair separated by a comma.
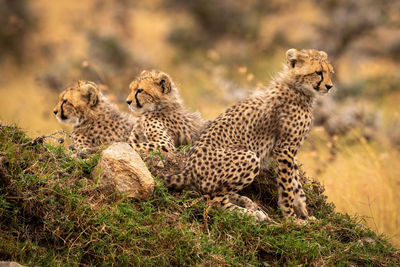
[[95, 119], [267, 127], [163, 123]]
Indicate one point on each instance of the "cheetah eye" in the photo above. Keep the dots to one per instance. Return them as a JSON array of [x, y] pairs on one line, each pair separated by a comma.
[[319, 72], [139, 90], [64, 101]]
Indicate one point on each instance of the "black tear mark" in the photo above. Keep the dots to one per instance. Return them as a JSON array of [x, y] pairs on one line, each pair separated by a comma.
[[322, 78], [63, 117], [136, 98]]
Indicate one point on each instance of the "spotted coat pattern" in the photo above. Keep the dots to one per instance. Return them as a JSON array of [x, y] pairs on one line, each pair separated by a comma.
[[96, 121], [164, 123], [267, 127]]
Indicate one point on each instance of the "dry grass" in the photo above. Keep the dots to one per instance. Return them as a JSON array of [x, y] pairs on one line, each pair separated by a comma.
[[363, 179]]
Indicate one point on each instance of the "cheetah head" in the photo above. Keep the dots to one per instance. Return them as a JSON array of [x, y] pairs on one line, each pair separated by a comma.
[[310, 70], [76, 102], [152, 90]]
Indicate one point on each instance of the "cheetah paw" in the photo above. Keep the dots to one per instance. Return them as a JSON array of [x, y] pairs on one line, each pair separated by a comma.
[[300, 221], [261, 216]]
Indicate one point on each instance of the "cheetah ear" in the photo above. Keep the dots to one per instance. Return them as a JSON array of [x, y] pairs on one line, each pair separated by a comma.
[[323, 54], [293, 58], [91, 93], [165, 83]]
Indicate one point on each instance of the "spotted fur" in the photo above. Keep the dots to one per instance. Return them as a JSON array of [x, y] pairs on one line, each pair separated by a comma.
[[96, 121], [164, 123], [267, 127]]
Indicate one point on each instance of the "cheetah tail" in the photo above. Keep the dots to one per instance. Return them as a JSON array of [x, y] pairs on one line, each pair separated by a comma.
[[179, 181]]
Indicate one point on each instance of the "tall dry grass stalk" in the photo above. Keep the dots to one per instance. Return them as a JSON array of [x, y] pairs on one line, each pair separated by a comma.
[[363, 179]]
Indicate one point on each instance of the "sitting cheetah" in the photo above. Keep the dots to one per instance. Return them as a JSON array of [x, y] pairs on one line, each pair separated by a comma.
[[268, 126], [164, 123], [95, 120]]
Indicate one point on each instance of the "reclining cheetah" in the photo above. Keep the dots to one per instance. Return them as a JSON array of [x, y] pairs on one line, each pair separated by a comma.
[[95, 120], [164, 123], [268, 126]]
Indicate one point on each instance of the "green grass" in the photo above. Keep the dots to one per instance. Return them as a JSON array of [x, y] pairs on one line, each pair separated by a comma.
[[52, 213]]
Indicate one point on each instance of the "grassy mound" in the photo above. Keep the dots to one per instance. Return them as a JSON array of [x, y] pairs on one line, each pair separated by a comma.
[[53, 213]]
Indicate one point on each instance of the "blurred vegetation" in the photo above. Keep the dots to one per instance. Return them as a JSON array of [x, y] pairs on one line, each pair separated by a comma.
[[218, 52], [17, 22]]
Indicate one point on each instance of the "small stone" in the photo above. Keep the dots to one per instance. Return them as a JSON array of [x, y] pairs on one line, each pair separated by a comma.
[[121, 168], [60, 140]]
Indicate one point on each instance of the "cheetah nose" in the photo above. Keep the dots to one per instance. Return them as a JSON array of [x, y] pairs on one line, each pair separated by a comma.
[[129, 102], [328, 86], [55, 112]]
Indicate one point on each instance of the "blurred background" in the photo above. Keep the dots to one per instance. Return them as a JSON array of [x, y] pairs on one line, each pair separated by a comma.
[[218, 52]]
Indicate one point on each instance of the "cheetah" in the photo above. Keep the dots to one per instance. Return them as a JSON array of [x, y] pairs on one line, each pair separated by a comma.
[[266, 128], [96, 121], [164, 123]]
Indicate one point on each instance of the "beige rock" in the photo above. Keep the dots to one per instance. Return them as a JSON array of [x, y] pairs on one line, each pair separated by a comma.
[[121, 168]]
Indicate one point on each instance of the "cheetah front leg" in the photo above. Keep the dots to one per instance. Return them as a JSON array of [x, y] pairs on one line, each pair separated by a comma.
[[80, 144], [300, 205], [145, 147], [284, 157], [82, 148], [156, 139]]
